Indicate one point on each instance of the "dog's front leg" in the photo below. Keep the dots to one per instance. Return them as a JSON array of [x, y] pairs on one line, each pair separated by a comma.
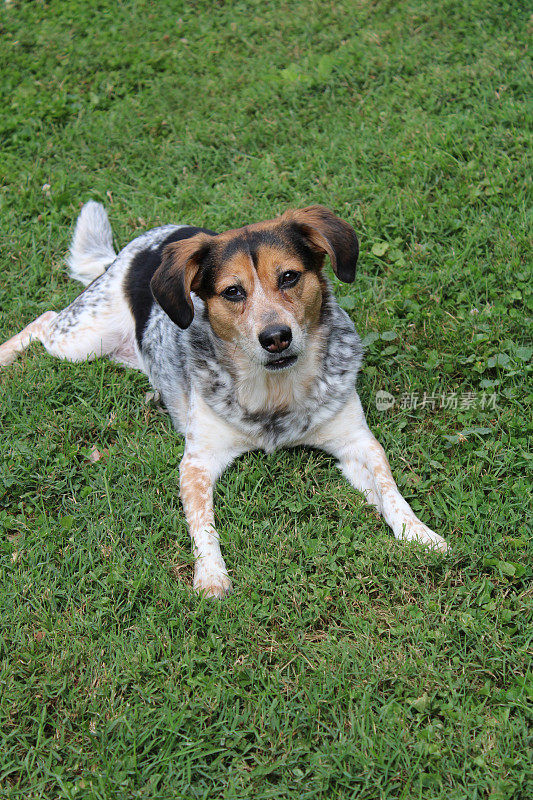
[[363, 461], [197, 479], [211, 445]]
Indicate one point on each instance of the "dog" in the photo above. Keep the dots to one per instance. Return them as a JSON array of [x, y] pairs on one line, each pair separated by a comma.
[[240, 334]]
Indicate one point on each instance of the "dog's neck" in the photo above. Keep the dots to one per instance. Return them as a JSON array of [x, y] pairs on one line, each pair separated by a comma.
[[257, 389]]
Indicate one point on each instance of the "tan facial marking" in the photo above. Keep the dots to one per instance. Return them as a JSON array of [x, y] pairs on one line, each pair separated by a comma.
[[265, 302], [227, 318]]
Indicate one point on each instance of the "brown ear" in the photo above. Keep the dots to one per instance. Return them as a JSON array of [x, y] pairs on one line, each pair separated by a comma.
[[177, 276], [329, 234]]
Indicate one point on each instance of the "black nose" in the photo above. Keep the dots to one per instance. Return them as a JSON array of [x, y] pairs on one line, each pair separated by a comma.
[[275, 338]]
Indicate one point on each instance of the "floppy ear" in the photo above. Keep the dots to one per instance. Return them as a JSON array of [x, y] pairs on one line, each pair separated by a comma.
[[177, 276], [327, 233]]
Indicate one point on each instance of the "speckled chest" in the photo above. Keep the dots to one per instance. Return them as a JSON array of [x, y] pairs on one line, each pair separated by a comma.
[[192, 362]]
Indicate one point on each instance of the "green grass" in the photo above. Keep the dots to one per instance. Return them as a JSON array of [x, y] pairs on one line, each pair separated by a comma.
[[344, 665]]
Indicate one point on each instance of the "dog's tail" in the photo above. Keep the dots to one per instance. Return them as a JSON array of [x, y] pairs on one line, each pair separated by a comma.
[[91, 251]]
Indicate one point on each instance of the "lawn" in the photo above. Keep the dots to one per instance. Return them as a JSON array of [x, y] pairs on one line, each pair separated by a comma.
[[344, 665]]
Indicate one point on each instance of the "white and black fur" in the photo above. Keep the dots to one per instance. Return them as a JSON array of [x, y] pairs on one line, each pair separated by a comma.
[[222, 408]]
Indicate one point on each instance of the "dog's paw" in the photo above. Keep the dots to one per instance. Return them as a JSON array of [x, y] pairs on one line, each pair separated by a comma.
[[7, 355], [418, 532], [212, 581]]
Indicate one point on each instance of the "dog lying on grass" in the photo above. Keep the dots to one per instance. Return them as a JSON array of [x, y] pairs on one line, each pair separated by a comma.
[[240, 334]]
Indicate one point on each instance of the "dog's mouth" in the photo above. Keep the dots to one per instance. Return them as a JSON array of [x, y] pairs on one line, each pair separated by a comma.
[[281, 363]]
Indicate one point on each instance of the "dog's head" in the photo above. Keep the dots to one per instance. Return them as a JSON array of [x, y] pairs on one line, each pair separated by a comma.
[[262, 284]]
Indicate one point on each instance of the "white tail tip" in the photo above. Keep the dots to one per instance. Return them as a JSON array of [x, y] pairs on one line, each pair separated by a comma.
[[91, 251]]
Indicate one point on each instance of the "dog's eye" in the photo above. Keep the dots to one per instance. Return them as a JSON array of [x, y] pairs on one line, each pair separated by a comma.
[[288, 279], [234, 293]]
